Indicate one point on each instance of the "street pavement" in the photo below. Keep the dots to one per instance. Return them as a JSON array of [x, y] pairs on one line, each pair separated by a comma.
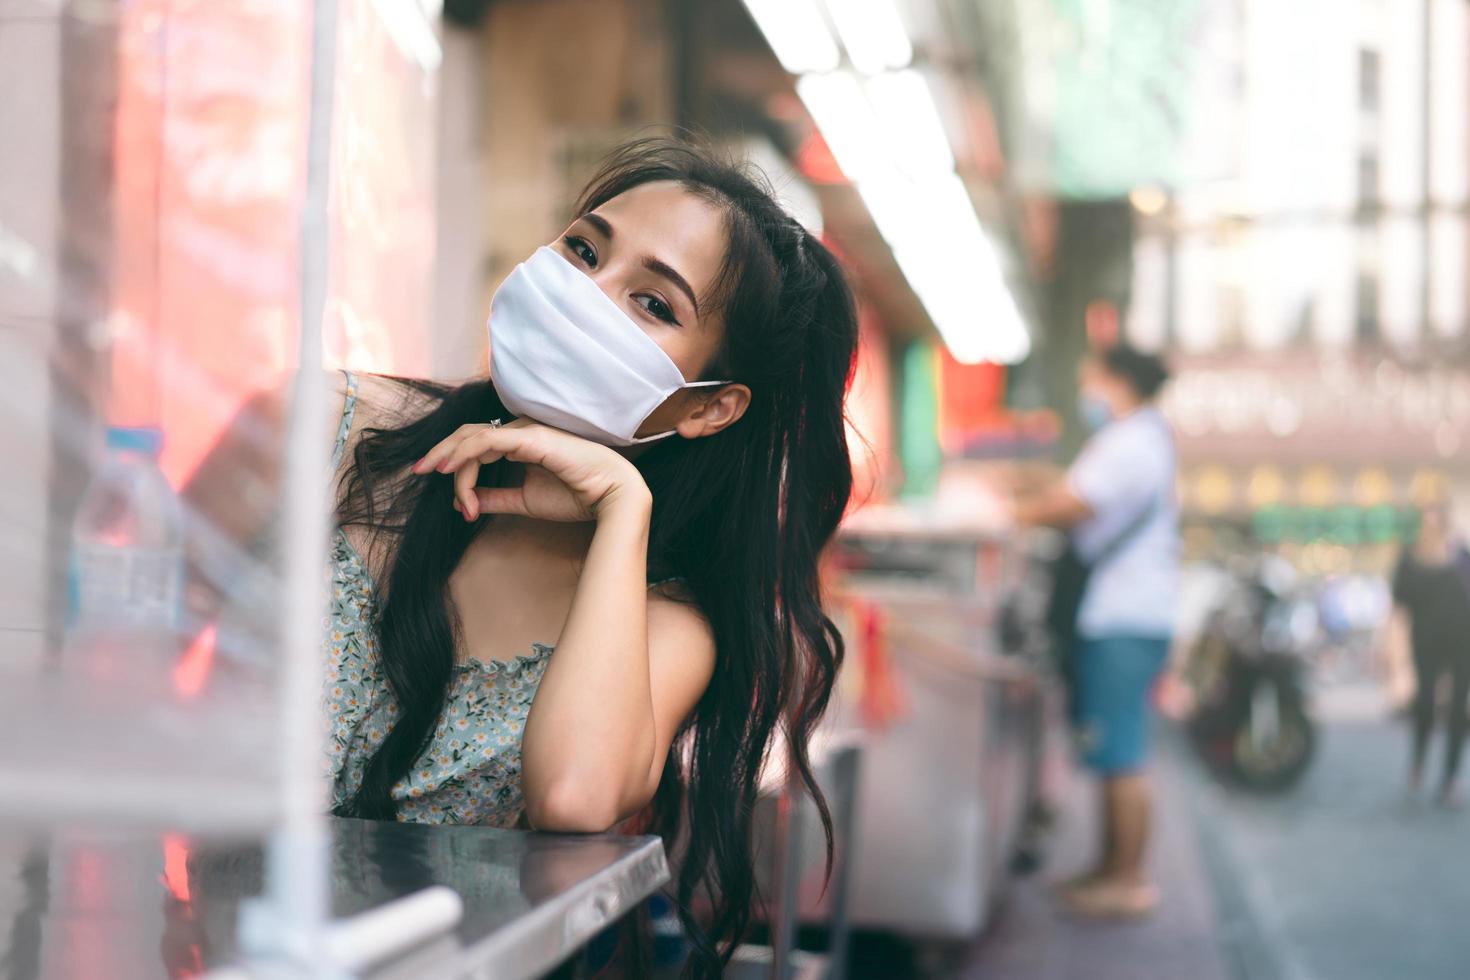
[[1034, 938], [1342, 878], [1345, 878]]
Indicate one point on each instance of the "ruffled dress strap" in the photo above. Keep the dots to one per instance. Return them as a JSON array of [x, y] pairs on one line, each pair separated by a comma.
[[349, 406]]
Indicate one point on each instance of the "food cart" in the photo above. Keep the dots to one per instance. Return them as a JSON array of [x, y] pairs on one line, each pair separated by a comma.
[[950, 720]]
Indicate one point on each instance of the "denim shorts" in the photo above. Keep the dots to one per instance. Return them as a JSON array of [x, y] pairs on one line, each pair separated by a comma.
[[1114, 677]]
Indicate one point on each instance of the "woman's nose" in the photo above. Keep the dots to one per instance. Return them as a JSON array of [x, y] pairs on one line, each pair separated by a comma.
[[612, 280]]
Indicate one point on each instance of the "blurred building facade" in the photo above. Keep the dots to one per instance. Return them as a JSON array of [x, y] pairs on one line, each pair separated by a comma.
[[1275, 195], [1308, 272]]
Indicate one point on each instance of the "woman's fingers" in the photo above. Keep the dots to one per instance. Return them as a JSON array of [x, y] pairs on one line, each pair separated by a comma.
[[464, 488], [434, 459], [464, 462], [475, 440], [485, 446], [463, 454], [584, 470], [502, 500]]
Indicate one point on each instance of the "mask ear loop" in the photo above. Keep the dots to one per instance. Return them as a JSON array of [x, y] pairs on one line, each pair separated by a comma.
[[664, 435], [656, 437]]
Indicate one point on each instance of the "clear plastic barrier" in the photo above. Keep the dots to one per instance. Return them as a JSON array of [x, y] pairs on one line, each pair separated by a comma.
[[150, 288]]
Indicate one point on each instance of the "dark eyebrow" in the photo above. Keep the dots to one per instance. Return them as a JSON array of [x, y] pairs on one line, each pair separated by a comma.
[[656, 266], [661, 268], [600, 223]]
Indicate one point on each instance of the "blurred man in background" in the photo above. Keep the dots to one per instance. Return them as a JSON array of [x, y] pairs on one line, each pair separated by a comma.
[[1117, 505], [1431, 594]]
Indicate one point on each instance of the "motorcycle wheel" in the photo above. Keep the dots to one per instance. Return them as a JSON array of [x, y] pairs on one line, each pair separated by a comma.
[[1279, 763]]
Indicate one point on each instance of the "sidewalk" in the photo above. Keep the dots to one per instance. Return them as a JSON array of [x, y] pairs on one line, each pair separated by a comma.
[[1344, 878], [1033, 938]]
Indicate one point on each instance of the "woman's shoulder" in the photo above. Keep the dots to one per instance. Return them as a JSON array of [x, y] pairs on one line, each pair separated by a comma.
[[390, 398], [681, 647], [368, 401], [675, 618]]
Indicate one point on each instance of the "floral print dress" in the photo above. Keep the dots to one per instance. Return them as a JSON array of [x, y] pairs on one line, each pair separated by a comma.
[[471, 770]]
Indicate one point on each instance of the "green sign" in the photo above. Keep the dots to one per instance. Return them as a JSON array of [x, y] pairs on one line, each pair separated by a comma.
[[918, 421], [1345, 525], [1121, 72]]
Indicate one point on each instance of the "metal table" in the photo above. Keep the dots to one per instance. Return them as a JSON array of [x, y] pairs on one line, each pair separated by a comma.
[[131, 906]]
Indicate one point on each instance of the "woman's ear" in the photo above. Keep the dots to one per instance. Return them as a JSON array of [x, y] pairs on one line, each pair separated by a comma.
[[714, 412]]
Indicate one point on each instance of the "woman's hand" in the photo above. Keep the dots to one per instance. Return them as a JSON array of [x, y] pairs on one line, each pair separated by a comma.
[[567, 479]]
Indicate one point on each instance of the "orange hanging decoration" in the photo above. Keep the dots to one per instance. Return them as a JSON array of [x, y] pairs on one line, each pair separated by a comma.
[[881, 699]]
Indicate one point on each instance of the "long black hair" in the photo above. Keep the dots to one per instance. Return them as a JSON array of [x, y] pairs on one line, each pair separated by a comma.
[[739, 520]]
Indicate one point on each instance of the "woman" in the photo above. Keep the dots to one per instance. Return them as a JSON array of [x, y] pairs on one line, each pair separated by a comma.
[[585, 591], [1431, 597]]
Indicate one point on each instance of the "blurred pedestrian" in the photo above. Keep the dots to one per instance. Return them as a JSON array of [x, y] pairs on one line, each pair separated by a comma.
[[1117, 505], [1431, 594]]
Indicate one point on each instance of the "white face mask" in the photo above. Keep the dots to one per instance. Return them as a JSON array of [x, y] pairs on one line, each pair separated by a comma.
[[564, 354]]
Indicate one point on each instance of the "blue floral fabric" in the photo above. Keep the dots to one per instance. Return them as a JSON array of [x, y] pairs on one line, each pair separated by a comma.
[[470, 772]]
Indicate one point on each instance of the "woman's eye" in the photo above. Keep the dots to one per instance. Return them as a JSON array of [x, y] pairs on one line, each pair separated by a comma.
[[582, 250], [658, 308]]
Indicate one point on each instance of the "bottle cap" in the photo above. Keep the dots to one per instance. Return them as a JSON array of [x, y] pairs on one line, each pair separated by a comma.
[[140, 439]]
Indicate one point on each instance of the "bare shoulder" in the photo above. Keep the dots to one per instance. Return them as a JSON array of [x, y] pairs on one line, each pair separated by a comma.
[[384, 402], [391, 400], [678, 629]]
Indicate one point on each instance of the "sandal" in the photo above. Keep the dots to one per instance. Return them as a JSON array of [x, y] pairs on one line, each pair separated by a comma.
[[1112, 900]]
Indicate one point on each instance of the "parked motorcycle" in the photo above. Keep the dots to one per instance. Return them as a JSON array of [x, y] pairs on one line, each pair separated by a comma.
[[1251, 720]]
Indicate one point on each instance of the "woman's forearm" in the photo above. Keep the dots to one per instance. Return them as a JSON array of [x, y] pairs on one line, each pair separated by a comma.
[[590, 736]]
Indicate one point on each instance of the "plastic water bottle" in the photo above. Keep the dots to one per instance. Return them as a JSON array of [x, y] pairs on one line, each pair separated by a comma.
[[126, 576]]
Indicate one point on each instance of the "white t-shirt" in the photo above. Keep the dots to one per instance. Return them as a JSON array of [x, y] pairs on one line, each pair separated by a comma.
[[1127, 468]]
